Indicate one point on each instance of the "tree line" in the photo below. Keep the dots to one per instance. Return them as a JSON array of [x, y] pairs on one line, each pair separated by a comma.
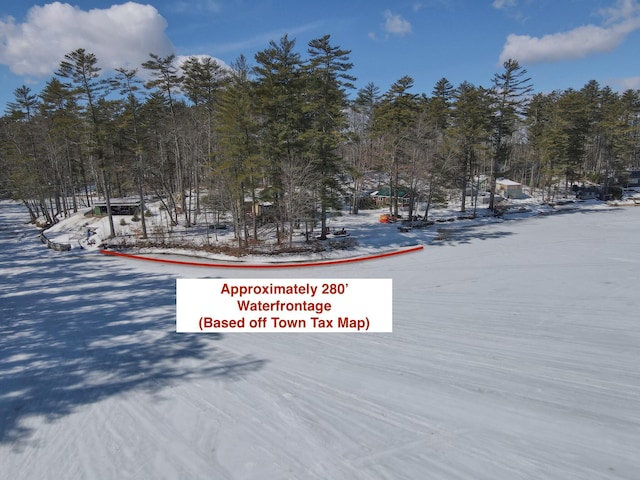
[[292, 135]]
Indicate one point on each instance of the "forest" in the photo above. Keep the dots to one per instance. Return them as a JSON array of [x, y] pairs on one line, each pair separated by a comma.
[[290, 133]]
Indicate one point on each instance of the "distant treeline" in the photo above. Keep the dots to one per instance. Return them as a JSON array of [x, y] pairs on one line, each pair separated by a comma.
[[292, 134]]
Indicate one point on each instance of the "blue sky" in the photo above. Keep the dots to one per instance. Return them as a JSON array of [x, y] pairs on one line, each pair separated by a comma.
[[562, 43]]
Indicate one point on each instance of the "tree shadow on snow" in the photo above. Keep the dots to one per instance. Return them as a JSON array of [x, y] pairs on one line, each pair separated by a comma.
[[77, 329], [462, 235], [454, 233]]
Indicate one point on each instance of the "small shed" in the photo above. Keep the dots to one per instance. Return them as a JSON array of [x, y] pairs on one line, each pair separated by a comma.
[[259, 208], [509, 189]]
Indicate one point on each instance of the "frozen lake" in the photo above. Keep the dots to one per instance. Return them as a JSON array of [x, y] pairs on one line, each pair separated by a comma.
[[515, 355]]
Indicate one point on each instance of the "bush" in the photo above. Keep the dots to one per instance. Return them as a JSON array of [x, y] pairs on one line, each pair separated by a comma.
[[367, 203], [616, 192], [135, 218], [123, 222]]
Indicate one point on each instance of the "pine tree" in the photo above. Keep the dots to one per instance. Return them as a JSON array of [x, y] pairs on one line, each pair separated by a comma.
[[470, 133], [28, 176], [204, 78], [630, 138], [440, 103], [360, 148], [25, 104], [81, 68], [611, 135], [166, 82], [511, 89], [545, 138], [327, 102], [238, 127], [60, 111], [394, 117], [127, 83], [281, 96], [572, 125]]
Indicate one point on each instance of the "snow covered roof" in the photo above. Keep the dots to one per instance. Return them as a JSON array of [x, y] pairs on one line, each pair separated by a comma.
[[506, 181], [118, 201], [386, 192]]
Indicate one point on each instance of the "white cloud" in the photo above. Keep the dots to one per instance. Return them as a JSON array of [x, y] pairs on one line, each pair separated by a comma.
[[624, 9], [629, 83], [396, 24], [500, 4], [119, 36], [577, 43]]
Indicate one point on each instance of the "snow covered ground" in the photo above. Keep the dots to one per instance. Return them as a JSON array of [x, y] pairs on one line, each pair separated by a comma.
[[366, 234], [515, 355]]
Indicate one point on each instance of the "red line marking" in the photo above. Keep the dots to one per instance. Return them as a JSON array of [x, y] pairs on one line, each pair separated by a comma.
[[320, 263]]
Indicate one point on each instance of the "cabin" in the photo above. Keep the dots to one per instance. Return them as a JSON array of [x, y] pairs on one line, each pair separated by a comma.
[[383, 196], [119, 206], [509, 189]]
